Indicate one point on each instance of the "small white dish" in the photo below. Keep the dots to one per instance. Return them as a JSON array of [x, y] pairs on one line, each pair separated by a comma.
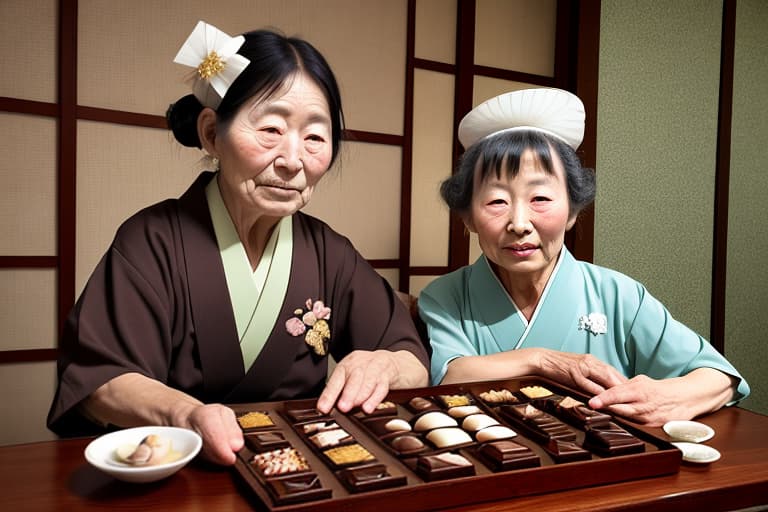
[[698, 453], [102, 452], [688, 431]]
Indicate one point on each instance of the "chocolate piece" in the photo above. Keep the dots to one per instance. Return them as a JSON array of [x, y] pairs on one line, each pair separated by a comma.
[[348, 454], [386, 408], [578, 414], [298, 415], [297, 489], [498, 397], [448, 437], [463, 411], [442, 466], [318, 426], [369, 478], [507, 455], [282, 461], [494, 433], [384, 426], [455, 400], [566, 451], [419, 404], [537, 424], [405, 444], [433, 419], [328, 438], [476, 422], [269, 440], [610, 439], [255, 419], [535, 391]]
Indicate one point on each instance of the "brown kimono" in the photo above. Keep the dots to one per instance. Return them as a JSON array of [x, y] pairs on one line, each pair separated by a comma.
[[157, 304]]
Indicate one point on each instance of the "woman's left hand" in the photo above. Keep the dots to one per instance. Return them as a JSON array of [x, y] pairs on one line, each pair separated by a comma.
[[363, 378], [654, 402]]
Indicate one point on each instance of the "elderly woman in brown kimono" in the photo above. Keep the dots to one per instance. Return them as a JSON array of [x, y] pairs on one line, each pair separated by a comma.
[[230, 293]]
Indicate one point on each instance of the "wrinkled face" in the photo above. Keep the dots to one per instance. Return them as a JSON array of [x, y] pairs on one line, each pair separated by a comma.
[[521, 221], [276, 149]]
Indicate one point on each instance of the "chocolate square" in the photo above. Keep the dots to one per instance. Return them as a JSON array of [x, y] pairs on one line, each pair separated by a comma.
[[507, 455], [369, 478], [297, 489]]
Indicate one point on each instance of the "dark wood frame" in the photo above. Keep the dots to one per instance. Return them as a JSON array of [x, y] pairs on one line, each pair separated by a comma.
[[576, 69]]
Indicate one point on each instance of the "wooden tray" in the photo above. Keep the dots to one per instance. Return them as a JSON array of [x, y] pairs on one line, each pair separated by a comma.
[[410, 492]]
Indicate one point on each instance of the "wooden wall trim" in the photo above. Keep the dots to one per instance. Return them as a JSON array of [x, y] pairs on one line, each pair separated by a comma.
[[722, 177], [29, 262], [38, 355], [67, 157]]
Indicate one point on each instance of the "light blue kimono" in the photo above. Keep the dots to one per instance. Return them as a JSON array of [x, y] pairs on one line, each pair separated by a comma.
[[584, 309]]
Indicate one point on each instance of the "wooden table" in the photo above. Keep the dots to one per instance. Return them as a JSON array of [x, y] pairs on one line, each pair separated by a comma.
[[55, 476]]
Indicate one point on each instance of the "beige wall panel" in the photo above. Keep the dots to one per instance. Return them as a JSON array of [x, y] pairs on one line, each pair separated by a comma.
[[122, 169], [418, 283], [27, 309], [658, 101], [28, 30], [436, 30], [485, 88], [432, 153], [27, 185], [516, 34], [474, 248], [126, 50], [747, 279], [391, 275], [361, 198], [27, 393]]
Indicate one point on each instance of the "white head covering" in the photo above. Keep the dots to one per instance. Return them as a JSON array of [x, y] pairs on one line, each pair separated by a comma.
[[552, 111]]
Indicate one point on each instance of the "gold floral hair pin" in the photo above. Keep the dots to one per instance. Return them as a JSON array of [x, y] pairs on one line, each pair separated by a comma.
[[217, 64]]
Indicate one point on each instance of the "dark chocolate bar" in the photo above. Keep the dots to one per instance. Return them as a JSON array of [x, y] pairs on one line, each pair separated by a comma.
[[537, 424], [565, 451], [610, 439], [369, 478], [507, 455], [442, 466], [268, 440], [297, 489]]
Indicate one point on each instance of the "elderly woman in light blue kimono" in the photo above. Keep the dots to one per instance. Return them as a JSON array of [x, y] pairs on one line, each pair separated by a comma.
[[527, 307]]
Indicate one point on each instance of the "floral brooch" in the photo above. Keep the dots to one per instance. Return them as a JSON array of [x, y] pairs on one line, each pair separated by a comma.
[[596, 323], [313, 324]]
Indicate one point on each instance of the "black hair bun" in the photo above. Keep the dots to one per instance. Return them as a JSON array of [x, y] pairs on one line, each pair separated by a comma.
[[182, 120]]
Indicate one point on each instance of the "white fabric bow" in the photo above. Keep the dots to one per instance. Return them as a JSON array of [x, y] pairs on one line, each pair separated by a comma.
[[217, 64], [596, 323]]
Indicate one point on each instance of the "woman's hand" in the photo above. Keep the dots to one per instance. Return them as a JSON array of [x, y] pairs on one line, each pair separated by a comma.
[[654, 402], [580, 371], [363, 378], [132, 399], [217, 425]]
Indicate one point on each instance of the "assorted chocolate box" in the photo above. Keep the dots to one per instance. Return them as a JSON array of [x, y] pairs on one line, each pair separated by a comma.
[[480, 437]]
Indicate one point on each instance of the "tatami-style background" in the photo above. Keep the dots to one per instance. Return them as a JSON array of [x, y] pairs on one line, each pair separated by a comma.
[[675, 130]]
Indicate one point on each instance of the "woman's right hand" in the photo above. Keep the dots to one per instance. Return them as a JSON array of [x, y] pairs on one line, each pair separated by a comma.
[[132, 400], [580, 371], [217, 425]]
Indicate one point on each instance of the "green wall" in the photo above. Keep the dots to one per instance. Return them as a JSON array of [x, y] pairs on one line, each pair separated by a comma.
[[656, 155]]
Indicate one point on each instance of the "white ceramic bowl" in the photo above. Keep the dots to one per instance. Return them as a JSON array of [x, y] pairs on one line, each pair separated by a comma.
[[688, 431], [101, 452]]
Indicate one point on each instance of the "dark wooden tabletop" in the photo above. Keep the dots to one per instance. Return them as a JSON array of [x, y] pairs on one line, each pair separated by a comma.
[[54, 475]]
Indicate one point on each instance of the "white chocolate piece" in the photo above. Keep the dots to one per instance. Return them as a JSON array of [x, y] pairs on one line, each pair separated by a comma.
[[449, 436], [434, 419], [476, 422]]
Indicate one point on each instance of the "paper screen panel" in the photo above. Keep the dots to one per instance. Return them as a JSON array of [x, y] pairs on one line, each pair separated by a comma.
[[27, 309], [28, 49], [122, 169], [27, 185], [432, 153], [435, 37], [518, 35], [486, 88], [126, 50], [360, 198], [27, 392]]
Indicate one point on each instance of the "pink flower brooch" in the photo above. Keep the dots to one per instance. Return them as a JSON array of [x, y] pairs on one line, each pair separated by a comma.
[[315, 318]]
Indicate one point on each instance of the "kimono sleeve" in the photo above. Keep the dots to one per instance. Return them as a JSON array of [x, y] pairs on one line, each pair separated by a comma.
[[662, 347], [121, 323], [441, 308]]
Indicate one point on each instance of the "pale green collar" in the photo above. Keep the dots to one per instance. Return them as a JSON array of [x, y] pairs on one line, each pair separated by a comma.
[[256, 296]]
